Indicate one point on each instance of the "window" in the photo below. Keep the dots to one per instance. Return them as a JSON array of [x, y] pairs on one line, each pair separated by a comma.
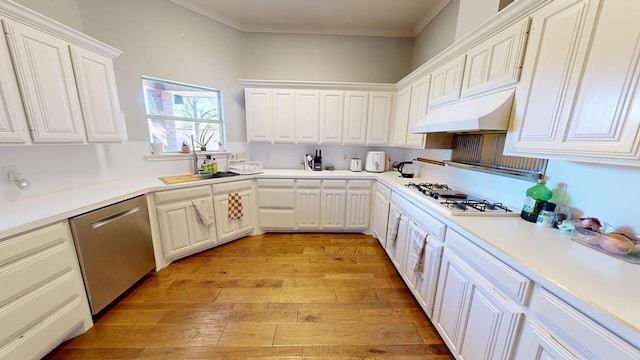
[[176, 112]]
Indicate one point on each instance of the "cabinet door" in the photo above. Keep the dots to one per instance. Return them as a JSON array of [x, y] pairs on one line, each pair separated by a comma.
[[379, 118], [400, 125], [331, 116], [450, 304], [13, 123], [583, 113], [182, 233], [230, 229], [537, 344], [308, 116], [284, 116], [258, 103], [477, 322], [358, 209], [446, 82], [96, 84], [381, 218], [419, 107], [46, 79], [423, 280], [356, 104], [308, 209], [333, 203], [496, 61]]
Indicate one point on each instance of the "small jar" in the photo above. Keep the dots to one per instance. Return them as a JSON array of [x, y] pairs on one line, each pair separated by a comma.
[[546, 216]]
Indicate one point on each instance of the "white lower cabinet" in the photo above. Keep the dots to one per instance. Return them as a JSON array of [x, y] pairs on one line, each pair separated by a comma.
[[358, 209], [229, 227], [276, 204], [556, 330], [182, 232], [43, 301], [475, 320], [308, 205], [396, 247], [381, 213], [332, 204]]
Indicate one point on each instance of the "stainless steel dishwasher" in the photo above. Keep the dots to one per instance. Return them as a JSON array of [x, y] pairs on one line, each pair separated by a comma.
[[115, 249]]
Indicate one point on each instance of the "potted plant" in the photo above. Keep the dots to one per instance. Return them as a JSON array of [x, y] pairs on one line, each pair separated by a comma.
[[204, 139], [185, 147]]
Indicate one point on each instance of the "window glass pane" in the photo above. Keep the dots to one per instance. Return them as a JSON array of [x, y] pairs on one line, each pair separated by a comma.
[[178, 111]]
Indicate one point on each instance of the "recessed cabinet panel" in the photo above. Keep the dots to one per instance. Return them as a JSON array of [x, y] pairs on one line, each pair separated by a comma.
[[308, 116], [356, 104], [284, 116], [419, 108], [400, 126], [46, 79], [12, 118], [496, 61], [95, 80], [379, 118], [258, 103], [331, 116], [446, 82]]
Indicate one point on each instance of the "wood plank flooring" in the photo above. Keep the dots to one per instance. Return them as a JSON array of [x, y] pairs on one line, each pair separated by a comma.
[[276, 296]]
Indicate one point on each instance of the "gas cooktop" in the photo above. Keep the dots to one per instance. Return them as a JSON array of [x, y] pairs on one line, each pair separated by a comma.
[[459, 202]]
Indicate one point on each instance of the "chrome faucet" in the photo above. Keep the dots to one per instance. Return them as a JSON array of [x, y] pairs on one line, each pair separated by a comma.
[[195, 157]]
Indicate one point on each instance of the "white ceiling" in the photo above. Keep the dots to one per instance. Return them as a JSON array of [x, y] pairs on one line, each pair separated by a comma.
[[397, 18]]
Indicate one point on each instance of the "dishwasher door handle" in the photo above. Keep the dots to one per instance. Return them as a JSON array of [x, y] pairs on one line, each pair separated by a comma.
[[115, 217]]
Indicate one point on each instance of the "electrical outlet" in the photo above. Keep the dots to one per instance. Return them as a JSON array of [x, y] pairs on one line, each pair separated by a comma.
[[6, 170]]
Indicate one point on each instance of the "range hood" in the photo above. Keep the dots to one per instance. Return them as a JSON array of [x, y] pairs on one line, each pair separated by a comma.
[[484, 113]]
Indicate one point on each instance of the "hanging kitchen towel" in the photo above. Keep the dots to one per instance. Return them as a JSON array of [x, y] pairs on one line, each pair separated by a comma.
[[204, 210], [394, 224], [235, 206], [418, 241]]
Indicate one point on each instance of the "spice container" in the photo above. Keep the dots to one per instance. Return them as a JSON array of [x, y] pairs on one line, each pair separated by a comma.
[[546, 216]]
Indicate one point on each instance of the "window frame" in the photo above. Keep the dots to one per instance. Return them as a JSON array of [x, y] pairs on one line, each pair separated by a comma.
[[195, 121]]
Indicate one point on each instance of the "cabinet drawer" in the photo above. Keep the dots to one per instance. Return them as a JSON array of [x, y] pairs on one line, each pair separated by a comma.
[[579, 331], [231, 187], [505, 278], [383, 190], [276, 198], [334, 184], [277, 183], [277, 219], [182, 194], [359, 184], [315, 184]]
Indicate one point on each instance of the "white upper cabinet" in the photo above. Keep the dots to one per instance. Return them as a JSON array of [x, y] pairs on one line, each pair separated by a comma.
[[356, 105], [379, 118], [579, 98], [258, 104], [308, 116], [418, 110], [446, 82], [98, 93], [496, 61], [13, 123], [401, 121], [66, 90], [331, 115], [46, 79], [284, 116]]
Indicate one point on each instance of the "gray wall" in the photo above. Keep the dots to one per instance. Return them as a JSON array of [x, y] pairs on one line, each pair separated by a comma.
[[437, 36]]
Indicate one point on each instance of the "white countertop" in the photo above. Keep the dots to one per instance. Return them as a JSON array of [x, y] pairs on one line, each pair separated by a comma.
[[605, 288]]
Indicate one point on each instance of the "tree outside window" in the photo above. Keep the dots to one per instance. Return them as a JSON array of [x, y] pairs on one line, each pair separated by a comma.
[[177, 111]]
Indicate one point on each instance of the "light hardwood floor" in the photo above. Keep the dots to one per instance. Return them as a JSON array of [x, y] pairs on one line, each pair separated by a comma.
[[276, 296]]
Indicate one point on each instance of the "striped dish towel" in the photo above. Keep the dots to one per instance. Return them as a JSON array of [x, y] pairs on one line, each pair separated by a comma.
[[418, 241], [394, 224], [234, 209]]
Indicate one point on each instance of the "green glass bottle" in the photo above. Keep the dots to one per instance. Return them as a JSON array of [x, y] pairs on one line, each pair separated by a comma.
[[536, 195]]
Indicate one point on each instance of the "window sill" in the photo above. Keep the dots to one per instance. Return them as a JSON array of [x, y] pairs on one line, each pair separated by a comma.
[[181, 156]]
